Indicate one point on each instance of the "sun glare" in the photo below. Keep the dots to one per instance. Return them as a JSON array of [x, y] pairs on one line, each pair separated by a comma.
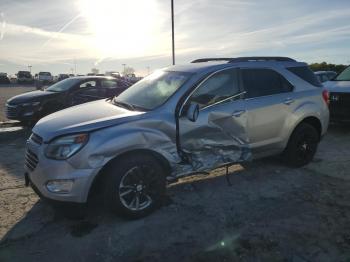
[[120, 27]]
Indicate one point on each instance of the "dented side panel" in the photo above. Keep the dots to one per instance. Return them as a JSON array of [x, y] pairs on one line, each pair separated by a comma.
[[217, 137]]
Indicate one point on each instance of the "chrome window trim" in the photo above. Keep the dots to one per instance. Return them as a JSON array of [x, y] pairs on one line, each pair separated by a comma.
[[224, 100], [201, 83]]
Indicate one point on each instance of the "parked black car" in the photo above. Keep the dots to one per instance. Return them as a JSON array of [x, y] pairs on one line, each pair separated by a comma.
[[339, 97], [30, 107]]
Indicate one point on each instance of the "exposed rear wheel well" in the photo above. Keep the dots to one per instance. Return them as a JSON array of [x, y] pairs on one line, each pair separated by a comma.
[[315, 122], [97, 184]]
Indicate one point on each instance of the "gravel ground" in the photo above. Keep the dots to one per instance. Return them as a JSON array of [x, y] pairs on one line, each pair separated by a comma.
[[270, 213], [7, 92]]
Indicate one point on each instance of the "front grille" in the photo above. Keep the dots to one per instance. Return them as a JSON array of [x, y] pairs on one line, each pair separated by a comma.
[[36, 139], [31, 160], [11, 111]]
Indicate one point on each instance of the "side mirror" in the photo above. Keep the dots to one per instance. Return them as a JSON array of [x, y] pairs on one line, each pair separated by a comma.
[[192, 112]]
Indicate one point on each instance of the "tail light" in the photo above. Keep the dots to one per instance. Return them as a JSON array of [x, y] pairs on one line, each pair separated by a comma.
[[325, 95]]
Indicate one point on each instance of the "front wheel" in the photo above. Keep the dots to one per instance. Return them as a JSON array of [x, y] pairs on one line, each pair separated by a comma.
[[302, 145], [135, 186]]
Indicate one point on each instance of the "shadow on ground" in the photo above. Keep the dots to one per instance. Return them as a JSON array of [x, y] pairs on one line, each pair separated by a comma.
[[270, 213]]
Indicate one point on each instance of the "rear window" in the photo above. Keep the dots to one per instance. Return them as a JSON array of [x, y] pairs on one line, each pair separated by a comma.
[[24, 74], [45, 73], [306, 74]]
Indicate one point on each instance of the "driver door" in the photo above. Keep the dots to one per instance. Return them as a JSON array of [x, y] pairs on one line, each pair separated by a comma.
[[218, 135]]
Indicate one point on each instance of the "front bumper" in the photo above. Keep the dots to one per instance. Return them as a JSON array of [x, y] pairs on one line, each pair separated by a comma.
[[40, 170], [20, 113]]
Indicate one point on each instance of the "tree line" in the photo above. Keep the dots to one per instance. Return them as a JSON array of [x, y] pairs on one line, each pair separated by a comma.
[[324, 66]]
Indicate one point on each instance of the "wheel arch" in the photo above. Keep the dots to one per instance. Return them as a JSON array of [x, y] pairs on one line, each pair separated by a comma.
[[311, 120], [97, 182]]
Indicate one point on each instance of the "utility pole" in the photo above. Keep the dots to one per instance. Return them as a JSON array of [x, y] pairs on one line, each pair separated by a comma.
[[75, 66], [124, 65], [172, 31], [30, 68]]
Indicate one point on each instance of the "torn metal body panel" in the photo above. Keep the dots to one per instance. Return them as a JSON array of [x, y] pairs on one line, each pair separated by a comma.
[[216, 137]]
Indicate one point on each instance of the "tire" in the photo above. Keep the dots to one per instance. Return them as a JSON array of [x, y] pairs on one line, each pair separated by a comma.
[[135, 186], [302, 145]]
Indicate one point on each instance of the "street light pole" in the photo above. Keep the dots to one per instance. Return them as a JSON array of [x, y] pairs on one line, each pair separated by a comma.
[[124, 65], [172, 30]]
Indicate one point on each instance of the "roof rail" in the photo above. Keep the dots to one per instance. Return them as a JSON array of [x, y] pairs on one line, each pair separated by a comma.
[[245, 59], [203, 60], [261, 58]]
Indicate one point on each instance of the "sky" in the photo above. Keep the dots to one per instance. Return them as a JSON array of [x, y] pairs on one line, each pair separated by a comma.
[[62, 36]]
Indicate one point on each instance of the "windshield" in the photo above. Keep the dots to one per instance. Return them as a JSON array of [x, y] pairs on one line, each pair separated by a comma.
[[344, 76], [63, 85], [153, 90]]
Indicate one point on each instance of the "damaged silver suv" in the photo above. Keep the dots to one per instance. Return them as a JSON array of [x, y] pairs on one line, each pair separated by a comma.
[[177, 121]]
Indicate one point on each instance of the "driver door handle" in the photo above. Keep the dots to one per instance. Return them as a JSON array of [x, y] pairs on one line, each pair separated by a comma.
[[288, 101], [238, 113]]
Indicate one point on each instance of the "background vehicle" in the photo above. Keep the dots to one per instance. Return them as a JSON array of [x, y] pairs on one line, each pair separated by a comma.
[[43, 78], [4, 79], [324, 76], [339, 96], [30, 107], [132, 78], [179, 120], [62, 77], [24, 77]]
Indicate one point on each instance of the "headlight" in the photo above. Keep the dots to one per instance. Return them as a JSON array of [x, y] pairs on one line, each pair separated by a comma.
[[66, 146], [31, 104]]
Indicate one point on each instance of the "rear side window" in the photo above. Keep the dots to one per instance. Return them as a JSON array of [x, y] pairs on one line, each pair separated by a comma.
[[306, 74], [264, 82], [109, 83]]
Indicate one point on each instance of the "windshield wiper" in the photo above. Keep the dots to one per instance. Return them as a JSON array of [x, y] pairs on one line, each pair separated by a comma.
[[124, 104]]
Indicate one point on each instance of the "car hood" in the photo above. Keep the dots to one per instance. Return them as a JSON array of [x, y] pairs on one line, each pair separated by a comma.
[[82, 118], [337, 86], [30, 97]]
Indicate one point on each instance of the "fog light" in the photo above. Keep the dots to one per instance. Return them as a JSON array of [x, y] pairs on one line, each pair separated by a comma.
[[60, 186]]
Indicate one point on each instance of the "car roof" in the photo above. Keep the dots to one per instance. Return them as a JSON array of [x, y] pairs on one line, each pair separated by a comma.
[[93, 77], [197, 67]]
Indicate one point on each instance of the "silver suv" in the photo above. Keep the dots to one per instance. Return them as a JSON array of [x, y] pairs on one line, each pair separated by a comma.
[[177, 121]]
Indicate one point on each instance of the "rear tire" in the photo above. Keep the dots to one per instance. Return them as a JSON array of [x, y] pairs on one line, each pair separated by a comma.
[[302, 145], [135, 186]]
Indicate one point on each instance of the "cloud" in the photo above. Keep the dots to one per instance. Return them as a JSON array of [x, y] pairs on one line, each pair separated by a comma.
[[54, 33]]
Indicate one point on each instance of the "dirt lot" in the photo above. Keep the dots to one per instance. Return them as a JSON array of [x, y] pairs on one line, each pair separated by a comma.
[[7, 92], [270, 213]]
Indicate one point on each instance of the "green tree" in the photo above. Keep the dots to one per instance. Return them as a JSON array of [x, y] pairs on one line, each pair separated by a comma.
[[324, 66]]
